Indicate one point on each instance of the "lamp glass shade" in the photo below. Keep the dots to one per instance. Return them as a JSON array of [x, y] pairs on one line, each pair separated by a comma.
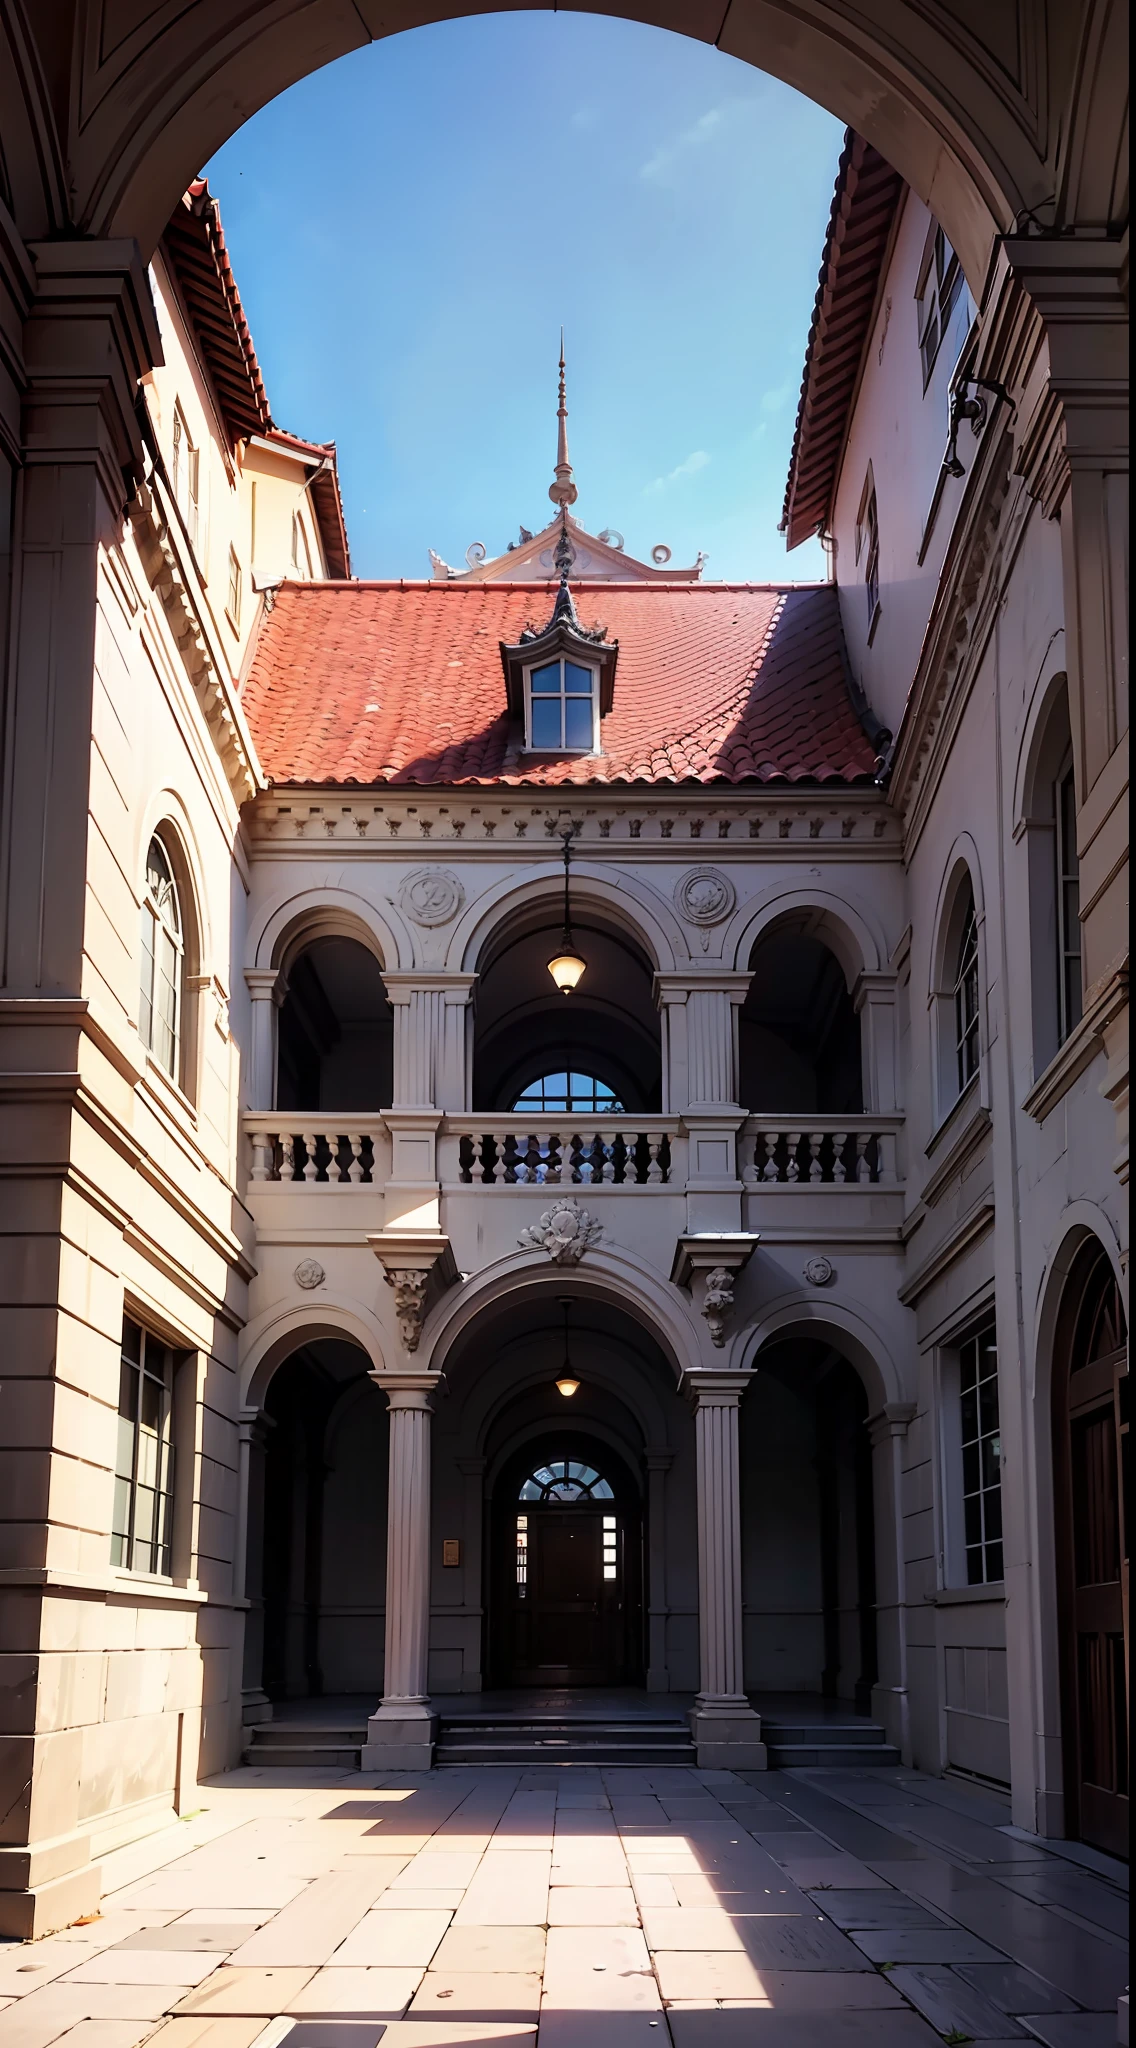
[[567, 1388], [566, 969]]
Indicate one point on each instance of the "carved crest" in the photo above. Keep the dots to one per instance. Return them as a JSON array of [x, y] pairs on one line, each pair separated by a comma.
[[409, 1284], [308, 1274], [564, 1232]]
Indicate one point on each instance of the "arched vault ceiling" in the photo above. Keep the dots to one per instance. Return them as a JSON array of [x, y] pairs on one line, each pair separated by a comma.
[[967, 101]]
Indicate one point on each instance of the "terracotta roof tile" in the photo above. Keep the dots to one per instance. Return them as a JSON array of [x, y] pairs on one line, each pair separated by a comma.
[[365, 683]]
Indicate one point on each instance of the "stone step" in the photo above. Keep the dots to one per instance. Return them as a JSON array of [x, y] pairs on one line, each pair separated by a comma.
[[819, 1755], [568, 1754], [273, 1734], [822, 1732], [322, 1756], [559, 1739]]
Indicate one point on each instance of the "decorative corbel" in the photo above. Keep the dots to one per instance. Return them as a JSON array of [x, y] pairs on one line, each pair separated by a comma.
[[419, 1266], [708, 1263]]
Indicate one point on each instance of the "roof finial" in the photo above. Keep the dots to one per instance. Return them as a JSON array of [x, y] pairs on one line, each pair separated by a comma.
[[563, 491]]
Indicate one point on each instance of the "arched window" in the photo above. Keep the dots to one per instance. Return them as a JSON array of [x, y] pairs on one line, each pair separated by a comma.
[[1049, 818], [567, 1094], [965, 993], [163, 963], [565, 1479]]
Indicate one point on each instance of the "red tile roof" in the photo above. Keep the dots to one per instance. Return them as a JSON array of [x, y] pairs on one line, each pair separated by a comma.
[[195, 243], [367, 683], [860, 224]]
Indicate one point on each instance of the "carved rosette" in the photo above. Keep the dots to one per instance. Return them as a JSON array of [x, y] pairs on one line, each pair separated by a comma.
[[704, 897], [308, 1274], [718, 1302], [409, 1284], [564, 1232], [431, 896]]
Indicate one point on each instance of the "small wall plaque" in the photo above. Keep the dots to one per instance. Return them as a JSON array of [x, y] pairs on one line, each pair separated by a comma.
[[451, 1550]]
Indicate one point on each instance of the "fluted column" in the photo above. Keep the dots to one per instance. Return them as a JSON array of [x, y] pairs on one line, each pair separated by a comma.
[[253, 1426], [400, 1734], [725, 1728]]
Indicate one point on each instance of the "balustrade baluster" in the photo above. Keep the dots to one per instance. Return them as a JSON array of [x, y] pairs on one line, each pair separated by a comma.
[[262, 1149], [607, 1153], [510, 1162], [839, 1141], [768, 1139], [355, 1164], [886, 1155], [311, 1169], [552, 1162], [654, 1163], [862, 1170], [792, 1163], [816, 1140], [287, 1156]]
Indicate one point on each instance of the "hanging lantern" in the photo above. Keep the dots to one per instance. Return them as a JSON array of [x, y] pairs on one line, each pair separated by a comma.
[[566, 966], [566, 1385]]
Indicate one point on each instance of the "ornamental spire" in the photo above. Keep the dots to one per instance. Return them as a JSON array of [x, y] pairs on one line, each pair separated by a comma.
[[562, 491]]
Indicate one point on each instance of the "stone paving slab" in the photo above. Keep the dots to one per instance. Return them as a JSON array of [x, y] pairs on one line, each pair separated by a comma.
[[622, 1909]]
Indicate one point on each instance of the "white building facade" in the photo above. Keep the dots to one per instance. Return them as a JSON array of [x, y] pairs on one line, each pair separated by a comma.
[[746, 1321]]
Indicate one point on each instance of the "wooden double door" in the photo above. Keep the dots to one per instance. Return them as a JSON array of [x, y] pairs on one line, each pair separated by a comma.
[[1091, 1471], [567, 1606]]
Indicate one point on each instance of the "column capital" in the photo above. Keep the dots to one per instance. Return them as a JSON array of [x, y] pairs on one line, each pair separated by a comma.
[[406, 1389], [658, 1458], [701, 1251], [403, 984], [254, 1425], [675, 986], [709, 1389], [91, 335], [264, 982], [892, 1420], [419, 1265]]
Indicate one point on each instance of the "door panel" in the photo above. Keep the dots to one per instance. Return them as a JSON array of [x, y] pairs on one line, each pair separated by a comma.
[[565, 1610]]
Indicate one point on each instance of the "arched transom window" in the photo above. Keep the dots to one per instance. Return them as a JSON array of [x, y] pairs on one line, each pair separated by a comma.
[[568, 1095], [565, 1479], [163, 962], [966, 995]]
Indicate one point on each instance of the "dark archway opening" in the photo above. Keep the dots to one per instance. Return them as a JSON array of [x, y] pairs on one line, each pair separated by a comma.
[[808, 1532], [526, 1032], [325, 1484], [566, 1566], [1091, 1474], [335, 1036], [798, 1032]]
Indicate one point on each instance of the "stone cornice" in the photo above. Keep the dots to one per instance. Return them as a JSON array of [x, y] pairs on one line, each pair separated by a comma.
[[160, 553], [974, 1225]]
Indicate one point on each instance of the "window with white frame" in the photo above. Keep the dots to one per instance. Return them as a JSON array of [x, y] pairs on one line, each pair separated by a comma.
[[185, 475], [163, 963], [980, 1451], [142, 1522], [1068, 889], [965, 994], [940, 281], [561, 707]]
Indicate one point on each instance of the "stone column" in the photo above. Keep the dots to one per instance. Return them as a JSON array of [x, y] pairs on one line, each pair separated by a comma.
[[400, 1734], [874, 1000], [248, 1557], [260, 1073], [725, 1728], [659, 1462], [472, 1609], [891, 1704]]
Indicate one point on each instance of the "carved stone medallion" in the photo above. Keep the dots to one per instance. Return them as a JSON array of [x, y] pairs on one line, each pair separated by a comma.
[[308, 1274], [431, 896], [704, 896], [564, 1232], [819, 1271]]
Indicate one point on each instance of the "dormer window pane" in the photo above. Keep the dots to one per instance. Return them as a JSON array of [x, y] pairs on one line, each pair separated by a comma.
[[578, 721], [562, 707], [546, 722]]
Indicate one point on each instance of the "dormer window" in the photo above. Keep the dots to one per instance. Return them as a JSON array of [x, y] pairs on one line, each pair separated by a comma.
[[561, 707]]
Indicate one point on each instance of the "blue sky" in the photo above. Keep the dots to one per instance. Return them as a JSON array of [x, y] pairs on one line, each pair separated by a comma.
[[411, 226]]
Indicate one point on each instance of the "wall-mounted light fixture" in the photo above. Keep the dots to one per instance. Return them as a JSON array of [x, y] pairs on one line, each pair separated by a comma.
[[566, 1384]]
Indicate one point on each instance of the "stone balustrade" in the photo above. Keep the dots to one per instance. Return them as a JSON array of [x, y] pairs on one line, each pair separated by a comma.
[[320, 1151], [582, 1151], [837, 1151]]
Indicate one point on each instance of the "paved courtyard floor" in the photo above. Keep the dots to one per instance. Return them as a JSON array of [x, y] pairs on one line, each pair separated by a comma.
[[583, 1909]]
